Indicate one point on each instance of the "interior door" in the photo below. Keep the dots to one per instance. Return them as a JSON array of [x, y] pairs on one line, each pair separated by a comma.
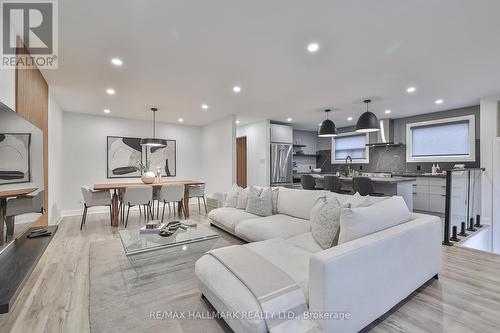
[[241, 161]]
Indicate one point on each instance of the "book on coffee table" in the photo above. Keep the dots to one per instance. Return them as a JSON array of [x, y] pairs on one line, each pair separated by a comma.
[[146, 230]]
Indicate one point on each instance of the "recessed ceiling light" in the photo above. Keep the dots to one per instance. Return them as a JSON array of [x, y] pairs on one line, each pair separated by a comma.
[[411, 90], [107, 111], [439, 101], [110, 91], [349, 118], [116, 62], [312, 47], [289, 119], [387, 111], [204, 106], [237, 89], [180, 120], [237, 122]]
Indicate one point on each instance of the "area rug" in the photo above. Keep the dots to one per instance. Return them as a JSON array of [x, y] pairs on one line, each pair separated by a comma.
[[123, 301]]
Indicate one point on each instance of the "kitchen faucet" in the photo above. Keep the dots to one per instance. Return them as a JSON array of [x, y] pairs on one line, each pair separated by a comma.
[[348, 166]]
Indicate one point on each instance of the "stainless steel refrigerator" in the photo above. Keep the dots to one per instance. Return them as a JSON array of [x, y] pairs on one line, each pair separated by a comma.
[[281, 164]]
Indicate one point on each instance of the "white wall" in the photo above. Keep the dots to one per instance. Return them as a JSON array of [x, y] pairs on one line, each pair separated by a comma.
[[258, 152], [218, 154], [489, 122], [56, 160], [84, 150]]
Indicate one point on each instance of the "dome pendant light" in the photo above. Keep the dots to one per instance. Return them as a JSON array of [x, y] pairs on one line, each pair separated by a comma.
[[327, 128], [368, 122], [154, 142]]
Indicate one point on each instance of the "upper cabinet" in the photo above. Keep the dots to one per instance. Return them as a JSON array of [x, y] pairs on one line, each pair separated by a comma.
[[281, 133], [8, 87]]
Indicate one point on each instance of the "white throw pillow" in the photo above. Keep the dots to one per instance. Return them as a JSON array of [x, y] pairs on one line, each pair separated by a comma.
[[260, 202], [359, 222], [232, 197], [275, 199], [357, 200], [242, 198], [325, 221]]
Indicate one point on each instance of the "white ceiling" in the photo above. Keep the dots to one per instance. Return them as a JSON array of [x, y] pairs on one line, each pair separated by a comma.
[[182, 53]]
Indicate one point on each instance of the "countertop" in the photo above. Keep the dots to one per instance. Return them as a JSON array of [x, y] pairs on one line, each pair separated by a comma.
[[392, 180]]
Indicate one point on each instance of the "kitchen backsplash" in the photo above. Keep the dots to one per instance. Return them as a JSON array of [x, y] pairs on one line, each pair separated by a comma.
[[388, 159]]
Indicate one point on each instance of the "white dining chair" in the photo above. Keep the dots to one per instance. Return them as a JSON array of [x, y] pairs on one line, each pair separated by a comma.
[[138, 196], [94, 198], [26, 204], [198, 191], [171, 194]]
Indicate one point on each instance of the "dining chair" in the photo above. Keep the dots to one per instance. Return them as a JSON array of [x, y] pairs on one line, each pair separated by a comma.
[[93, 198], [137, 196], [171, 194], [198, 191], [31, 203]]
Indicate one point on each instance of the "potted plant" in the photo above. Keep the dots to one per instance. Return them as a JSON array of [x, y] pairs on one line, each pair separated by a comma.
[[148, 177]]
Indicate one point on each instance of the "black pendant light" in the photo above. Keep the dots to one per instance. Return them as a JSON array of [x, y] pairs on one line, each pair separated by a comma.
[[327, 128], [368, 122], [154, 142]]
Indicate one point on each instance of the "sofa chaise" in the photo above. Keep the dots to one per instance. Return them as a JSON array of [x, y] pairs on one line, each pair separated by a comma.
[[378, 263]]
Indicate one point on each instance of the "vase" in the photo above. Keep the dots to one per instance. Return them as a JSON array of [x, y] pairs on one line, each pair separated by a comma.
[[148, 177]]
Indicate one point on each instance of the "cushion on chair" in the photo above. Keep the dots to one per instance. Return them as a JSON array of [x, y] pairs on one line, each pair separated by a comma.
[[229, 217], [274, 226]]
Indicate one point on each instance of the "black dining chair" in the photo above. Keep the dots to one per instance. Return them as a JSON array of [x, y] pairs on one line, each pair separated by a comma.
[[364, 186]]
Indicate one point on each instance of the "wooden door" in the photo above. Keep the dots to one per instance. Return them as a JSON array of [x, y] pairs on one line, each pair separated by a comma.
[[241, 161]]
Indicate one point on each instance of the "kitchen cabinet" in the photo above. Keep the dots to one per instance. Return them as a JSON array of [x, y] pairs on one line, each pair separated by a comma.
[[429, 194], [8, 87], [281, 133]]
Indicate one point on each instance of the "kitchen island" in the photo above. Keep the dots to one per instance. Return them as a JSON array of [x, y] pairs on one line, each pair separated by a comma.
[[388, 186]]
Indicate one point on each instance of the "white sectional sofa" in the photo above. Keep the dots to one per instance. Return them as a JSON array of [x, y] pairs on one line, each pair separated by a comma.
[[363, 277]]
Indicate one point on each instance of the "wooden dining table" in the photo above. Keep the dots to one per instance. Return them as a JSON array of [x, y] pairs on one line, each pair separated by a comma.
[[4, 195], [115, 187]]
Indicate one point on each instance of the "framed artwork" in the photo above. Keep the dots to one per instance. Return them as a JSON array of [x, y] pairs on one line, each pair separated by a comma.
[[123, 157], [163, 158], [15, 164]]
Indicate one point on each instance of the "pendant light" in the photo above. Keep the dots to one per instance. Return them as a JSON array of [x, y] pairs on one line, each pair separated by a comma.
[[368, 122], [327, 128], [154, 142]]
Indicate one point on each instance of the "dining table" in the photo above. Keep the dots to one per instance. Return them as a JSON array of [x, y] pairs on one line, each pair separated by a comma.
[[115, 187], [4, 195]]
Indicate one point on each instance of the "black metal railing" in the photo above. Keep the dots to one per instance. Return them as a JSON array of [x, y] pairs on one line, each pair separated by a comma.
[[462, 204]]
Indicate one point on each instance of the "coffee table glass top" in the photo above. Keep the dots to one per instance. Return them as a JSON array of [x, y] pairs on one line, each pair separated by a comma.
[[135, 242]]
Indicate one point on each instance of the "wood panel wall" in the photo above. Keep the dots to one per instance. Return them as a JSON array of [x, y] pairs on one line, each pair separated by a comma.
[[32, 103]]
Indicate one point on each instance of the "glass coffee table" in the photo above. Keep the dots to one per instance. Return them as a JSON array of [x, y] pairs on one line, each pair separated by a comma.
[[151, 253]]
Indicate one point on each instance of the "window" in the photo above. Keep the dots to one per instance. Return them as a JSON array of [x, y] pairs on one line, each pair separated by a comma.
[[444, 140], [350, 144]]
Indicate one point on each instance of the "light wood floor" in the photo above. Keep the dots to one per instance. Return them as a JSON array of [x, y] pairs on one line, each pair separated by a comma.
[[466, 298]]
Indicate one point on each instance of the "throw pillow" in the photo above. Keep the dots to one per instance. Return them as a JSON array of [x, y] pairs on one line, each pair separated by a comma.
[[275, 199], [242, 198], [357, 200], [232, 197], [260, 202], [362, 221], [325, 221]]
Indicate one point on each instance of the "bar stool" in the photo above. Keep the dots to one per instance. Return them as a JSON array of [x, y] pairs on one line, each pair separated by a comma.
[[308, 182], [333, 184], [364, 186]]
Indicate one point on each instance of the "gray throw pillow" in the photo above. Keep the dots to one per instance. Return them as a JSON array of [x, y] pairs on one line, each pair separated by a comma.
[[260, 202], [325, 221]]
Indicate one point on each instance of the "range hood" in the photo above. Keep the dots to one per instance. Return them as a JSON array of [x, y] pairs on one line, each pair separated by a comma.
[[384, 137]]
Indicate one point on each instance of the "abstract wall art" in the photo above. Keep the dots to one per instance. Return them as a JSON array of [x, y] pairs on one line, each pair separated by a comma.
[[124, 157], [163, 158], [15, 158]]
